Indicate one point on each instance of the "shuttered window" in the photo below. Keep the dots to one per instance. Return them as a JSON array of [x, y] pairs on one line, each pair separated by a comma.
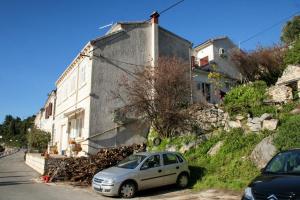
[[204, 61]]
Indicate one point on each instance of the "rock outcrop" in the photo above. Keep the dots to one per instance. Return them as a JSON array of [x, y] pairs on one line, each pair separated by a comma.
[[208, 118], [270, 124], [263, 152], [215, 149]]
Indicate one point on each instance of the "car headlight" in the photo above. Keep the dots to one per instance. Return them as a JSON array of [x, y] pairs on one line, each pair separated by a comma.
[[248, 193], [108, 182]]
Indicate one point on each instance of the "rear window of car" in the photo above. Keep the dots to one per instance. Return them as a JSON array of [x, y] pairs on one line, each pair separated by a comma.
[[169, 159]]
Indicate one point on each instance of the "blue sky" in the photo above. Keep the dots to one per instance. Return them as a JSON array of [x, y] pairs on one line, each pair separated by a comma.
[[39, 38]]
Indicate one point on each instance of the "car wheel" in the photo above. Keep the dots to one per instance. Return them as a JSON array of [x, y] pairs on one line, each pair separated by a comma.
[[183, 180], [127, 190]]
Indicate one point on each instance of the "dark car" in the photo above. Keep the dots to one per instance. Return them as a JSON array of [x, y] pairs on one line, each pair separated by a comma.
[[279, 180]]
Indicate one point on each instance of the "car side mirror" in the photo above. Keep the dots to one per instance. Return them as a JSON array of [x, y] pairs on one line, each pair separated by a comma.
[[262, 170]]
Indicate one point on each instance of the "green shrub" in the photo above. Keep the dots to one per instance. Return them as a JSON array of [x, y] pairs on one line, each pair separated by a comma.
[[38, 139], [259, 110], [292, 56], [243, 98], [288, 135], [289, 106]]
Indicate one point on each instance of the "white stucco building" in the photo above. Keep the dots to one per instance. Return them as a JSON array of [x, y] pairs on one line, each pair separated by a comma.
[[213, 54]]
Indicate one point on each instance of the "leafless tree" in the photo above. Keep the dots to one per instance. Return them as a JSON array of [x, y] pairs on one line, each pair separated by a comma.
[[160, 94], [261, 64]]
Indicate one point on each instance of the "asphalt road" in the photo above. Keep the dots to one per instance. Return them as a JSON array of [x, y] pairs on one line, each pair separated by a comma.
[[18, 182]]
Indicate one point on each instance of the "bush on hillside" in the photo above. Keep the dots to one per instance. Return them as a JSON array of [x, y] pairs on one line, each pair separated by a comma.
[[288, 135], [263, 63], [292, 55], [245, 98]]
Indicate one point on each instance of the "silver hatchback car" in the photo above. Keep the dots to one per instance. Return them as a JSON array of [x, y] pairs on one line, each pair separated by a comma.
[[142, 171]]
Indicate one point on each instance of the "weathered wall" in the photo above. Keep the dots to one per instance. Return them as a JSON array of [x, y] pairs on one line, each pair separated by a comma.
[[131, 47], [171, 45], [225, 65], [208, 118], [135, 47]]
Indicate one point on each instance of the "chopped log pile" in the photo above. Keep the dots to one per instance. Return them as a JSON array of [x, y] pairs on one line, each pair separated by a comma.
[[82, 169]]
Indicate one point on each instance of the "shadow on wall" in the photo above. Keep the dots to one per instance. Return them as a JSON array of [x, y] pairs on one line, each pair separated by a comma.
[[132, 133]]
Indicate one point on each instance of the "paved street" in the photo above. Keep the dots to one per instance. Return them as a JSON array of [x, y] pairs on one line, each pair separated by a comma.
[[18, 182]]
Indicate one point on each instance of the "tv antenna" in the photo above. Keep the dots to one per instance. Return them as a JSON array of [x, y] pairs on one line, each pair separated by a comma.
[[102, 27]]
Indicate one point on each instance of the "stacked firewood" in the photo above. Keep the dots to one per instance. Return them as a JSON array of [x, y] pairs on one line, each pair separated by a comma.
[[82, 169]]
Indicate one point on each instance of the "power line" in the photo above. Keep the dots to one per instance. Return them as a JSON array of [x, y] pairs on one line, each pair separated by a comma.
[[268, 28], [170, 7]]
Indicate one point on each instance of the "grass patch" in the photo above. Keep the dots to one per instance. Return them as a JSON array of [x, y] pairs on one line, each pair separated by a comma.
[[230, 168], [288, 134]]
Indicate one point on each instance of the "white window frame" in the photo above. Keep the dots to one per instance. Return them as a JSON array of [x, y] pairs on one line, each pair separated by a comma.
[[82, 74]]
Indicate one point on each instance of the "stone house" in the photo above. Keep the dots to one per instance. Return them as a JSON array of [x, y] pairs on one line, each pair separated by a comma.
[[213, 55], [85, 110], [287, 86]]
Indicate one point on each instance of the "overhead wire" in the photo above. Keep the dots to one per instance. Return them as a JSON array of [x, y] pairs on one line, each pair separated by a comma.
[[268, 28]]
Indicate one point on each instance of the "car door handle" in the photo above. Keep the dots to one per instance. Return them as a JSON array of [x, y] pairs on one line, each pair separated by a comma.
[[177, 167], [159, 170]]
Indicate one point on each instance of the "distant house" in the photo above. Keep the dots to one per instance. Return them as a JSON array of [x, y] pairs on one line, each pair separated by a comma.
[[45, 118], [208, 56], [85, 110]]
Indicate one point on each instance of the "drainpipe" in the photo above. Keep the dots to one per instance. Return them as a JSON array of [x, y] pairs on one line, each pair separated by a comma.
[[191, 73]]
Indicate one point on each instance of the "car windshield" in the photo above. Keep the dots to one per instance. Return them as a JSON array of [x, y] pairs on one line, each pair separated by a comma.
[[131, 162], [285, 163]]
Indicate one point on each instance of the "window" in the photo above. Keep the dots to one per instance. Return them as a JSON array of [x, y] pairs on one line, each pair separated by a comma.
[[206, 91], [179, 158], [131, 162], [79, 126], [73, 84], [204, 61], [76, 127], [199, 86], [48, 112], [221, 51], [153, 161], [285, 163], [192, 61], [169, 159], [64, 92], [82, 75]]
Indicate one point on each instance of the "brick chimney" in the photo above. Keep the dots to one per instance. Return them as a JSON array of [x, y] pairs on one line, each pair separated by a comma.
[[154, 17], [154, 38]]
